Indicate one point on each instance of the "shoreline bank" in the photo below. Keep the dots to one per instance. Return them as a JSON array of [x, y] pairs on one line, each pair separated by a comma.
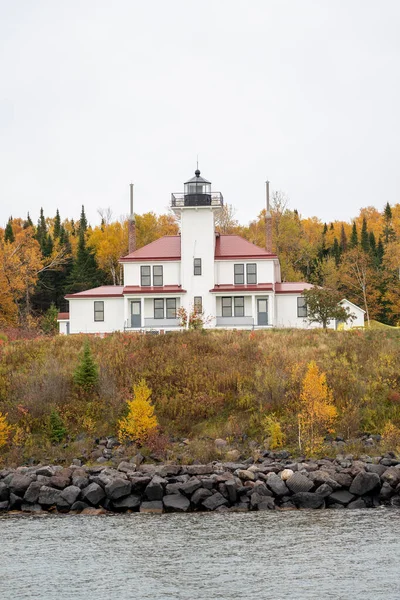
[[274, 482]]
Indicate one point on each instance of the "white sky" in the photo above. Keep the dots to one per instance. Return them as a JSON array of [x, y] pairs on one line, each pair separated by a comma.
[[95, 94]]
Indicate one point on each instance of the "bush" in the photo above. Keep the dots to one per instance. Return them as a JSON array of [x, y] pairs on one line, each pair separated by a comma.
[[86, 374], [57, 430], [5, 430]]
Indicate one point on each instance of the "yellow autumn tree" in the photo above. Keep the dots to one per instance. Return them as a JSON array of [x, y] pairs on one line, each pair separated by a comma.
[[317, 412], [5, 430], [140, 420]]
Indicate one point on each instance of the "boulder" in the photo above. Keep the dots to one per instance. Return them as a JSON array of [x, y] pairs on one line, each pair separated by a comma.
[[200, 495], [15, 502], [33, 491], [176, 503], [386, 491], [342, 497], [154, 490], [299, 483], [4, 492], [391, 476], [139, 483], [324, 490], [358, 503], [80, 481], [372, 468], [31, 508], [395, 501], [190, 486], [343, 479], [155, 507], [308, 500], [70, 494], [118, 488], [199, 469], [125, 467], [130, 502], [286, 473], [214, 501], [276, 485], [19, 484], [364, 482], [266, 504], [231, 490], [59, 482], [246, 475], [168, 470], [93, 494], [79, 506], [47, 471], [48, 495], [233, 455]]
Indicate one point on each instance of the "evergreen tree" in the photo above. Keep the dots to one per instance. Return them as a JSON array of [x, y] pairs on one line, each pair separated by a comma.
[[85, 273], [336, 251], [364, 236], [388, 231], [28, 222], [57, 226], [86, 374], [41, 230], [380, 251], [83, 221], [343, 240], [8, 232], [354, 236], [332, 227], [325, 230]]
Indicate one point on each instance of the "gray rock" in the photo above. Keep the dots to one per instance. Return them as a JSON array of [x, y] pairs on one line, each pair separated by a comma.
[[49, 496], [386, 491], [31, 508], [214, 501], [391, 476], [231, 490], [372, 468], [15, 502], [47, 471], [176, 502], [79, 506], [199, 469], [246, 475], [276, 485], [364, 482], [200, 495], [299, 483], [256, 499], [358, 503], [395, 501], [155, 490], [93, 494], [4, 492], [308, 500], [80, 481], [70, 494], [167, 470], [155, 507], [33, 491], [342, 497], [190, 486], [130, 502], [125, 466], [324, 490], [118, 488], [343, 479], [19, 484], [266, 504]]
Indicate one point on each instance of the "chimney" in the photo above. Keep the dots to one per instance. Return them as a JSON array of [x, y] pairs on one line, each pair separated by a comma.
[[268, 224], [131, 227]]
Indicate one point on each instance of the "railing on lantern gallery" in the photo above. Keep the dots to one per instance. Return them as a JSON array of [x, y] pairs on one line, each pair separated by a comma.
[[178, 200]]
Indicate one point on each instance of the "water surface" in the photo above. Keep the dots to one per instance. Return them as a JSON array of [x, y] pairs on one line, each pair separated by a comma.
[[343, 555]]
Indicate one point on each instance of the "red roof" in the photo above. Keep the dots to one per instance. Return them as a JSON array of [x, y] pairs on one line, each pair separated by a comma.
[[257, 287], [166, 289], [233, 246], [165, 248], [292, 287], [63, 316], [226, 247], [104, 291]]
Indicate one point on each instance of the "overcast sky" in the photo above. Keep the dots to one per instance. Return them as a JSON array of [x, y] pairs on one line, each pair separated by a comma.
[[95, 94]]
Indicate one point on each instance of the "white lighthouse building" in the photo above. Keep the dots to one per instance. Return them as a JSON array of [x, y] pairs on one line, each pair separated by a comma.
[[232, 282]]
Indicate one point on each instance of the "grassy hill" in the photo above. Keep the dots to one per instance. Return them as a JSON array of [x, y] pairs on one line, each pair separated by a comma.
[[205, 385]]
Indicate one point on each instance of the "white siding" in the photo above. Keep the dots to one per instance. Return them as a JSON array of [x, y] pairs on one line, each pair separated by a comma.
[[171, 272], [286, 309], [81, 314], [354, 310], [224, 271]]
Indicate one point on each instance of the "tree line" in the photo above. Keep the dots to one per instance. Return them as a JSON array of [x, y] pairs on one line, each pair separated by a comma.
[[42, 262]]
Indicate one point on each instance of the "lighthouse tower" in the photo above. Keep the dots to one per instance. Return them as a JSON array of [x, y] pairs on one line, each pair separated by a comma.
[[197, 208]]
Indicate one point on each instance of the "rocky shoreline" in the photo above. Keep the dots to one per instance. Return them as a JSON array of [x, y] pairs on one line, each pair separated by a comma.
[[273, 482]]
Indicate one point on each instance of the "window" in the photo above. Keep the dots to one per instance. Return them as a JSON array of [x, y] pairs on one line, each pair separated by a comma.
[[159, 308], [239, 274], [171, 308], [251, 273], [238, 303], [157, 275], [197, 266], [145, 276], [226, 307], [198, 304], [301, 307], [99, 310]]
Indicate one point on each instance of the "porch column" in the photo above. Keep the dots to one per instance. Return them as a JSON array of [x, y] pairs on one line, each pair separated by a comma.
[[142, 311], [254, 309], [126, 311]]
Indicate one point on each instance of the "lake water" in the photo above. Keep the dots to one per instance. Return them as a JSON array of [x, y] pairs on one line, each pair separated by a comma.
[[343, 555]]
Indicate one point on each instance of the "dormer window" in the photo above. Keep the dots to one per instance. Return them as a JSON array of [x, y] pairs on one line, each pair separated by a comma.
[[239, 274]]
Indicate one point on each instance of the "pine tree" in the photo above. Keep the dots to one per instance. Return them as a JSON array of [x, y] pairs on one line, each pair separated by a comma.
[[364, 236], [343, 240], [28, 222], [85, 273], [354, 236], [41, 230], [83, 221], [57, 430], [57, 226], [388, 231], [325, 230], [380, 251], [86, 374], [336, 251], [8, 232], [372, 243], [332, 227]]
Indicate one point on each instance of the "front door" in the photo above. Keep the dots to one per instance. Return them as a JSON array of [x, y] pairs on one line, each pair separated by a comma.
[[262, 311], [136, 314]]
